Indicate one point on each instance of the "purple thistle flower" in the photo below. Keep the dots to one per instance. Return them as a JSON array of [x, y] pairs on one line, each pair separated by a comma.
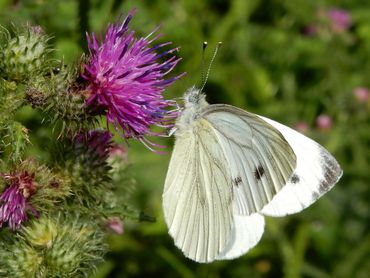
[[324, 122], [340, 19], [14, 200], [362, 94], [126, 81]]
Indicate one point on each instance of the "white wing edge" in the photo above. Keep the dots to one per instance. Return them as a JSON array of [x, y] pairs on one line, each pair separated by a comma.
[[317, 171], [246, 233]]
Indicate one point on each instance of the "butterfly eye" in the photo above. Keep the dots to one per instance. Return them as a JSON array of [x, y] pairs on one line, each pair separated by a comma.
[[194, 98]]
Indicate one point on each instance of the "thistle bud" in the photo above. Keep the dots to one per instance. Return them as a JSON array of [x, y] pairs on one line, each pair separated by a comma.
[[21, 260], [24, 55], [77, 248], [56, 245], [88, 167], [58, 94]]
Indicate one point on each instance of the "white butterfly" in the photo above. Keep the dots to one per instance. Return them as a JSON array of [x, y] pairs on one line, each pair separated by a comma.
[[230, 167]]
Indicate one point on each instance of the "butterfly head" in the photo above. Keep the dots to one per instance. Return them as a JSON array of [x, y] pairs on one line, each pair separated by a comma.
[[194, 97], [194, 103]]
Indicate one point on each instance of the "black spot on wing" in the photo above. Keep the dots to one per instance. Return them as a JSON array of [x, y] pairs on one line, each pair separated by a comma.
[[259, 172], [238, 180], [295, 179]]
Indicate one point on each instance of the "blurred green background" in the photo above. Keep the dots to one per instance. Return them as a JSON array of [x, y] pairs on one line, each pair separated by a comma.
[[288, 60]]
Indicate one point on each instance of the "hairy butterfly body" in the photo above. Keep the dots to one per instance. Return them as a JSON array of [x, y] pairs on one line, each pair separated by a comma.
[[230, 167]]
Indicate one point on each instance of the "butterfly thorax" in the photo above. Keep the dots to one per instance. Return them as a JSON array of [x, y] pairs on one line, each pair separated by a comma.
[[195, 103]]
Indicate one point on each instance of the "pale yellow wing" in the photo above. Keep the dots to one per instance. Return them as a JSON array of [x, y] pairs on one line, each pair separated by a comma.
[[197, 197]]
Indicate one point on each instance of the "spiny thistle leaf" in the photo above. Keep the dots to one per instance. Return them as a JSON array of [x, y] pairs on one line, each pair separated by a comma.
[[11, 98], [13, 135], [14, 141]]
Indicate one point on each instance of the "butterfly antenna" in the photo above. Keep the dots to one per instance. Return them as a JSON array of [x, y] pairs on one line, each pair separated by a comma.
[[205, 77], [205, 44]]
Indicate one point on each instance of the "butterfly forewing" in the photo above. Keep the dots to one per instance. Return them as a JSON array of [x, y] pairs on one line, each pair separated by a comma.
[[197, 198], [316, 173], [259, 158]]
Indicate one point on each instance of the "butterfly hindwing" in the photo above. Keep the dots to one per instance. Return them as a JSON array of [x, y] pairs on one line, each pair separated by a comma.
[[246, 233], [197, 198]]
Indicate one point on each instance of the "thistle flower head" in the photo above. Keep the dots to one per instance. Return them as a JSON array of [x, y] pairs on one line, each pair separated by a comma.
[[126, 80], [324, 122], [340, 19], [362, 94], [13, 200]]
